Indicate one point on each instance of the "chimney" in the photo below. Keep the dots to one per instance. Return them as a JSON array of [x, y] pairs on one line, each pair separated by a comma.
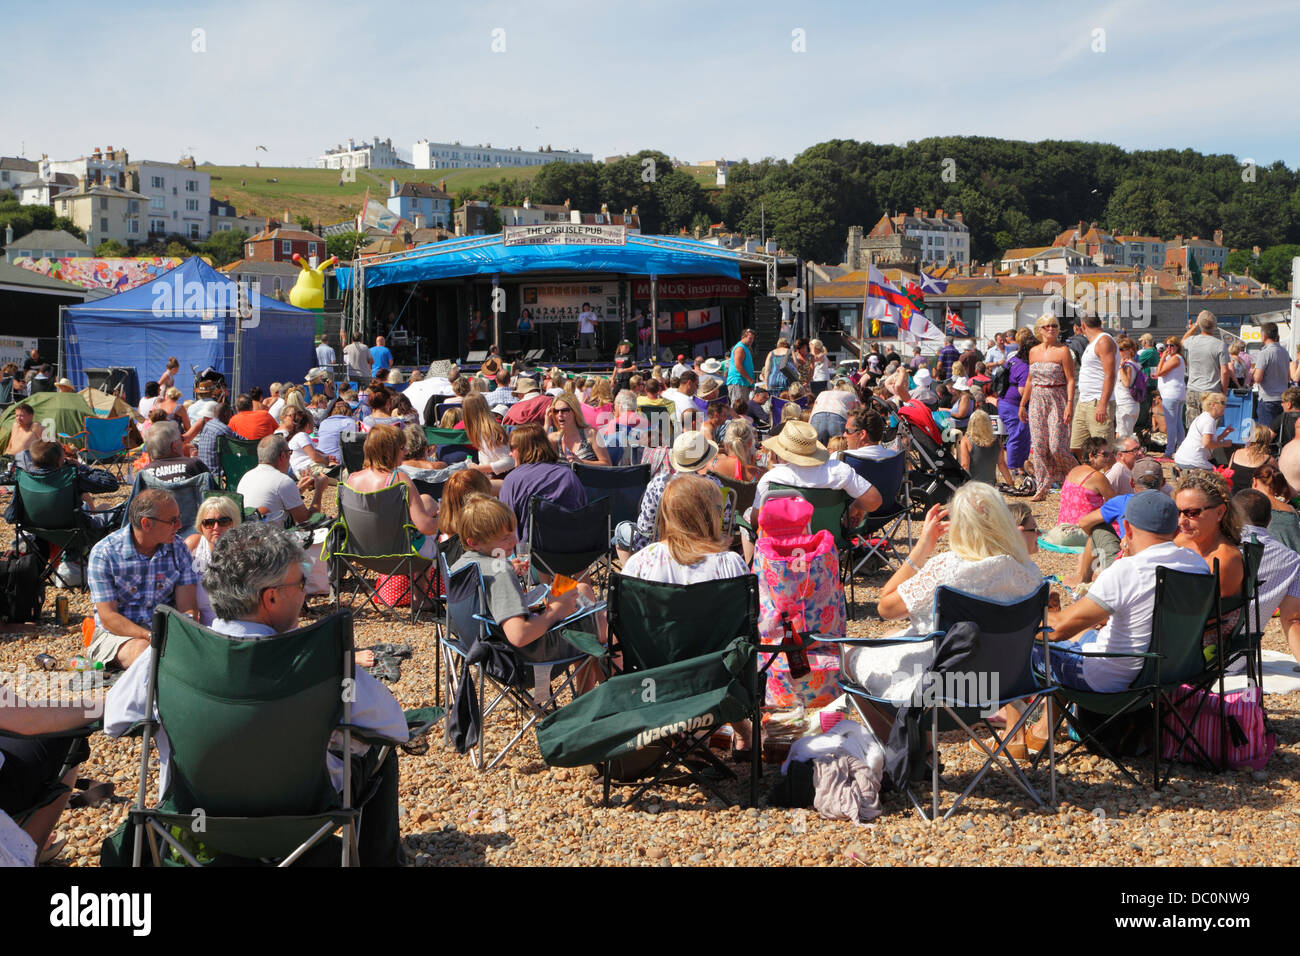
[[1218, 237], [938, 214], [918, 212], [392, 187], [958, 217]]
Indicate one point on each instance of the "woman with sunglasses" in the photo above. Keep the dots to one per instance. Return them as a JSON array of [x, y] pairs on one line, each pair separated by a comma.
[[573, 439], [216, 516], [1046, 401], [1211, 528]]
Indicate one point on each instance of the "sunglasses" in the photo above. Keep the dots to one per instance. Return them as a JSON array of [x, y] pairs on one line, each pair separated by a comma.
[[225, 521], [1029, 529], [1194, 512]]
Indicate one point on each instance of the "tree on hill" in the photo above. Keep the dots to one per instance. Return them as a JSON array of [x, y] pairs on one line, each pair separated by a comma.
[[305, 223], [1274, 266]]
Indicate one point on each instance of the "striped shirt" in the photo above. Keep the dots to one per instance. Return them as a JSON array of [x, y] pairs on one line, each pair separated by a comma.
[[1279, 571]]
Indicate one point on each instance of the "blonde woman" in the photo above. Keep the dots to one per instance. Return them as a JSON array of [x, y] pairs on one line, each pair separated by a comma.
[[486, 434], [982, 454], [1204, 436], [602, 396], [774, 375], [573, 438], [171, 404], [738, 461], [986, 556], [1046, 403], [216, 516], [821, 362]]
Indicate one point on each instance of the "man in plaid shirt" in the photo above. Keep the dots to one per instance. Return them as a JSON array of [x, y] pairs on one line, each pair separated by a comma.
[[205, 446], [134, 570]]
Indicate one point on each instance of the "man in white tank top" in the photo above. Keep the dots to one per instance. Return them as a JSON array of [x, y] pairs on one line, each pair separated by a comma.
[[1094, 415]]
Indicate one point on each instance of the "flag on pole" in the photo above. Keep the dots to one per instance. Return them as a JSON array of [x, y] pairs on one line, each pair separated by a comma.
[[884, 301], [953, 323], [933, 286]]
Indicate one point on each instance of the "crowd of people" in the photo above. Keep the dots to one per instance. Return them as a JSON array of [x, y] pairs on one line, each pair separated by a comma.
[[1072, 412]]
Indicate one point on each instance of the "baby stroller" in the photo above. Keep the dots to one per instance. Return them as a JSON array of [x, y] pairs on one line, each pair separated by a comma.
[[933, 470], [798, 577]]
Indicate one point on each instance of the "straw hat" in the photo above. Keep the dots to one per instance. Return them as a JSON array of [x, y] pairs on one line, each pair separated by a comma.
[[692, 452], [525, 385], [708, 390], [316, 375], [797, 443], [711, 366], [491, 367]]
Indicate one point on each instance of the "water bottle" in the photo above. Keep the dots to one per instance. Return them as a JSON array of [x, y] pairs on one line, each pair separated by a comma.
[[795, 656]]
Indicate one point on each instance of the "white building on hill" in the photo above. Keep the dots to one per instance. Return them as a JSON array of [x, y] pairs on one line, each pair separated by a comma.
[[427, 155], [377, 154]]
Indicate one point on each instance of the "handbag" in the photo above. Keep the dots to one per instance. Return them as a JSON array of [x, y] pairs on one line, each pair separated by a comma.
[[1250, 742]]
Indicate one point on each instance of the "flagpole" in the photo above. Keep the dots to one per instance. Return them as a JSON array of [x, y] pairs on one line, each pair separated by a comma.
[[862, 321]]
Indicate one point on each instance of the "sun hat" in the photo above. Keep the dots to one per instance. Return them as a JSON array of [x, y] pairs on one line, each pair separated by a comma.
[[395, 376], [797, 443], [525, 385], [1152, 511], [960, 384], [922, 377], [785, 517], [707, 390], [316, 375], [711, 366], [692, 451], [63, 383]]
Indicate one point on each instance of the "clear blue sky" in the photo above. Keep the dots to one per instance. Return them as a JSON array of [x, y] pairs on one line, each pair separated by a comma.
[[697, 79]]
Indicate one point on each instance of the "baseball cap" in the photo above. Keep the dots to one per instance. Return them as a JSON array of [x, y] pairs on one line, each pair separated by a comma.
[[1152, 511], [1148, 467]]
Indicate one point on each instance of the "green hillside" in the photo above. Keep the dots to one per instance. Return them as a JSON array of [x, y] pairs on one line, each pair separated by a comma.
[[268, 191]]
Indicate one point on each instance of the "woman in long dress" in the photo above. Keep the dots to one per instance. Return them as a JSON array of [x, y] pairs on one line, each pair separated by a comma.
[[1046, 402]]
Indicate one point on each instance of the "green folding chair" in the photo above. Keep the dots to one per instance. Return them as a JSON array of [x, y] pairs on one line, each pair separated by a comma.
[[248, 722], [47, 508], [373, 536], [238, 456], [689, 659], [1183, 605]]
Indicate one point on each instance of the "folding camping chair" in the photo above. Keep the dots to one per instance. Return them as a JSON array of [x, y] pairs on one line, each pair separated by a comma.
[[248, 723], [689, 658], [874, 537], [744, 492], [622, 486], [472, 643], [106, 443], [1183, 603], [47, 508], [995, 672], [188, 492], [373, 535], [238, 456], [572, 543], [352, 451]]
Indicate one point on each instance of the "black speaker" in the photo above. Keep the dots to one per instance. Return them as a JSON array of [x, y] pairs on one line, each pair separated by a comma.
[[588, 355]]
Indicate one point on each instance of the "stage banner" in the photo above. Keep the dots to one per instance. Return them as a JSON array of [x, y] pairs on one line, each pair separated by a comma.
[[564, 234], [562, 301], [691, 289]]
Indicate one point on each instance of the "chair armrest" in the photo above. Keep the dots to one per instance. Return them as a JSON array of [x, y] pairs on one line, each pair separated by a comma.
[[878, 641], [1136, 655]]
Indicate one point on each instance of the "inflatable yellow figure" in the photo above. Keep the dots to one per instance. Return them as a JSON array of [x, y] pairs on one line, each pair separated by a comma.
[[309, 291]]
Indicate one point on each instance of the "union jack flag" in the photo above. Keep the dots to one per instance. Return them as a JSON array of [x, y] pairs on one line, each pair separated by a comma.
[[954, 325]]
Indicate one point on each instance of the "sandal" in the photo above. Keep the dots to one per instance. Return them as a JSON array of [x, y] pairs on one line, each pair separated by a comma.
[[51, 852], [402, 651]]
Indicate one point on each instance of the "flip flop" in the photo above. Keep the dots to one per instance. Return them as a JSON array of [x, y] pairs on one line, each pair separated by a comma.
[[51, 852], [91, 793]]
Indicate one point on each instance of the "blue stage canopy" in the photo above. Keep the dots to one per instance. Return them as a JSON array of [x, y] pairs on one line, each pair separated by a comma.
[[475, 257]]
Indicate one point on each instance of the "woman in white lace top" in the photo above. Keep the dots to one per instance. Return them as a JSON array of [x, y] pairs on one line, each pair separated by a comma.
[[987, 557]]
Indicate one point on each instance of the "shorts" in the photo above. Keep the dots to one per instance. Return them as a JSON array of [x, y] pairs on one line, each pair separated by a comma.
[[1105, 546], [32, 768], [1067, 669], [1085, 424], [104, 646], [742, 392], [551, 646]]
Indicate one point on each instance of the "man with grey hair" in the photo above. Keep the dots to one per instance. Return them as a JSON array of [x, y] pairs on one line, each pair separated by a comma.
[[255, 582], [1209, 368], [270, 490], [167, 460], [134, 570]]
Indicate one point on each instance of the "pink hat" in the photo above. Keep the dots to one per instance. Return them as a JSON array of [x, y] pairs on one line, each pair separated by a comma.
[[784, 517]]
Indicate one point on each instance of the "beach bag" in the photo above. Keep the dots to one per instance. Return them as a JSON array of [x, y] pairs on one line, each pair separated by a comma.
[[1250, 743], [22, 592], [1137, 388], [1001, 381]]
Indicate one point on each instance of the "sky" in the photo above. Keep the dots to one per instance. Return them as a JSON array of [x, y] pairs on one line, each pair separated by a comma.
[[698, 79]]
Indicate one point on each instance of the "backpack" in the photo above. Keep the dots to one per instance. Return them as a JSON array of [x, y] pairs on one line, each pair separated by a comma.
[[1000, 381], [1138, 387], [22, 591]]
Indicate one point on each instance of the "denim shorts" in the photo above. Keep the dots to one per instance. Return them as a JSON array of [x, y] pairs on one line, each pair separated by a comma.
[[1067, 669]]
